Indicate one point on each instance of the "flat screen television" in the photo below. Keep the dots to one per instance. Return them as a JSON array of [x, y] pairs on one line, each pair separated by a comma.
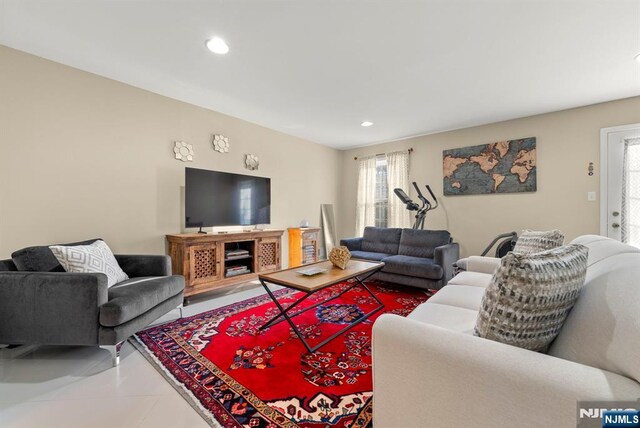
[[214, 198]]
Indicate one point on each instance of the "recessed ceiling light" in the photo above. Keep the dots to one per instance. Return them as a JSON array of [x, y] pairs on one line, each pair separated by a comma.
[[217, 46], [638, 57], [366, 123]]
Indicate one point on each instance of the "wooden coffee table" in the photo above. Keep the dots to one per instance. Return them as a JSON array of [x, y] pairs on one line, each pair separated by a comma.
[[357, 270]]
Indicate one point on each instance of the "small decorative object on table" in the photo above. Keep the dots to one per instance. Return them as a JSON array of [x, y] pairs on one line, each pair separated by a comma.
[[311, 271], [340, 256]]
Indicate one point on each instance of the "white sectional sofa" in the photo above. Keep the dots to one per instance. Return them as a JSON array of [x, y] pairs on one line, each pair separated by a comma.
[[430, 371]]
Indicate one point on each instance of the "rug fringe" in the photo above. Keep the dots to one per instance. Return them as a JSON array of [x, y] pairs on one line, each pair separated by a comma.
[[181, 389]]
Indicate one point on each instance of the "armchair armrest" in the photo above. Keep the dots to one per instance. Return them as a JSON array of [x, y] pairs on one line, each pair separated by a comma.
[[136, 265], [353, 244], [433, 375], [482, 264], [446, 256], [51, 307]]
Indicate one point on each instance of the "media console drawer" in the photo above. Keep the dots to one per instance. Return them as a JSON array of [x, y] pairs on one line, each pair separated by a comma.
[[212, 261]]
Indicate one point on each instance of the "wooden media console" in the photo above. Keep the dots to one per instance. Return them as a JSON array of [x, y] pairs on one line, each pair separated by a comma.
[[216, 260]]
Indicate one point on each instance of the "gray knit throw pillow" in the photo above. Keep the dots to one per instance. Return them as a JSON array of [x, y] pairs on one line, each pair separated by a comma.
[[531, 295], [531, 241]]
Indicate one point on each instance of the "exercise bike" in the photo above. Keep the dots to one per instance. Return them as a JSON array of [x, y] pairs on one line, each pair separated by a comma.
[[413, 206], [507, 243]]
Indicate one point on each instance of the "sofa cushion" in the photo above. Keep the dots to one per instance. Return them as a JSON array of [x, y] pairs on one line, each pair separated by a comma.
[[40, 258], [462, 296], [474, 279], [531, 241], [446, 316], [422, 243], [531, 295], [366, 255], [7, 265], [381, 240], [461, 264], [93, 258], [412, 266], [603, 327], [132, 298]]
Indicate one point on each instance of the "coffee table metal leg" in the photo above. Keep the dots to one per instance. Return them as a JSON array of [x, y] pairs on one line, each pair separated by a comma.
[[284, 312], [273, 321], [363, 285], [291, 306], [350, 326]]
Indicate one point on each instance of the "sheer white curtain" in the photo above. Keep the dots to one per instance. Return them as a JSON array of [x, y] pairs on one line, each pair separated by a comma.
[[366, 209], [630, 217], [397, 176]]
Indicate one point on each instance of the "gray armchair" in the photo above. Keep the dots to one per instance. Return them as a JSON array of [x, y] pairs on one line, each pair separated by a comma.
[[60, 308]]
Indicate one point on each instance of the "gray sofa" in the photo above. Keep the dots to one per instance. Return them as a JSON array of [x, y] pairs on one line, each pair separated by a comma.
[[42, 304], [418, 258]]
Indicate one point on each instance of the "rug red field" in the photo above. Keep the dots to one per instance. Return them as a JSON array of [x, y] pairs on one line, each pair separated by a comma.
[[238, 376]]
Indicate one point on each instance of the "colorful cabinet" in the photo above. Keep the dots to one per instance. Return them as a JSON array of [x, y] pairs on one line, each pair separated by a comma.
[[303, 245]]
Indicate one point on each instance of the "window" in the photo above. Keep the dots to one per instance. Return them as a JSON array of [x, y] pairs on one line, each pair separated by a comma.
[[377, 175], [382, 192]]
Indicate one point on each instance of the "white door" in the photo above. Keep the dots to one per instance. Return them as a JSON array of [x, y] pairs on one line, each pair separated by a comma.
[[620, 206]]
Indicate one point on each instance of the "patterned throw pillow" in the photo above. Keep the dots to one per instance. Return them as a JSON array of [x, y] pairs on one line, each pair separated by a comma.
[[94, 258], [530, 296], [531, 241]]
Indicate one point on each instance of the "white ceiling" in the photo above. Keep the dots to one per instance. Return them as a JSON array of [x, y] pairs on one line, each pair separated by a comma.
[[316, 69]]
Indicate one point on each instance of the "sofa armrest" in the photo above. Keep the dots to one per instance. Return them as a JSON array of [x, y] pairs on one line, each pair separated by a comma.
[[136, 265], [51, 308], [446, 256], [482, 264], [433, 375], [352, 244]]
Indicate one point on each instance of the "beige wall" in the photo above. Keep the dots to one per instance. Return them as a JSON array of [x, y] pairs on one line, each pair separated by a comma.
[[83, 156], [566, 142]]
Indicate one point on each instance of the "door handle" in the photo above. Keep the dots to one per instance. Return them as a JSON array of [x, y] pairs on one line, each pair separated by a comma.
[[615, 213], [615, 225]]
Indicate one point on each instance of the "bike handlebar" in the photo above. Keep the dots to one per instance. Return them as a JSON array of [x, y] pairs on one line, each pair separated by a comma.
[[412, 206], [431, 193], [415, 186]]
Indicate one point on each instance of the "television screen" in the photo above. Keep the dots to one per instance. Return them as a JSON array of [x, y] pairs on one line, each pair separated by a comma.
[[215, 198]]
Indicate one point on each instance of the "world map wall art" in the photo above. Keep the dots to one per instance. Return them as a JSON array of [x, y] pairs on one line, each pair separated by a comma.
[[502, 167]]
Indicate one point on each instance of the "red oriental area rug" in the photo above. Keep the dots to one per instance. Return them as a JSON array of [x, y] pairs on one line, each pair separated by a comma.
[[235, 375]]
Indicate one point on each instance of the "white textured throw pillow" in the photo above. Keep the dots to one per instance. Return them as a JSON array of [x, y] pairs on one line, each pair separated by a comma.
[[533, 241], [530, 296], [94, 258]]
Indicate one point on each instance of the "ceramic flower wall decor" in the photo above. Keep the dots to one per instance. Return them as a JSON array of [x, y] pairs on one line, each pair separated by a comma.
[[221, 143], [183, 151], [251, 162]]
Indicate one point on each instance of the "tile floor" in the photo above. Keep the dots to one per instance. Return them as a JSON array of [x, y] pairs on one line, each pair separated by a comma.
[[54, 386]]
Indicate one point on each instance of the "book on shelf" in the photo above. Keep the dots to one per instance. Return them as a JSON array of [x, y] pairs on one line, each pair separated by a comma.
[[235, 270], [238, 252], [242, 272], [244, 256]]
